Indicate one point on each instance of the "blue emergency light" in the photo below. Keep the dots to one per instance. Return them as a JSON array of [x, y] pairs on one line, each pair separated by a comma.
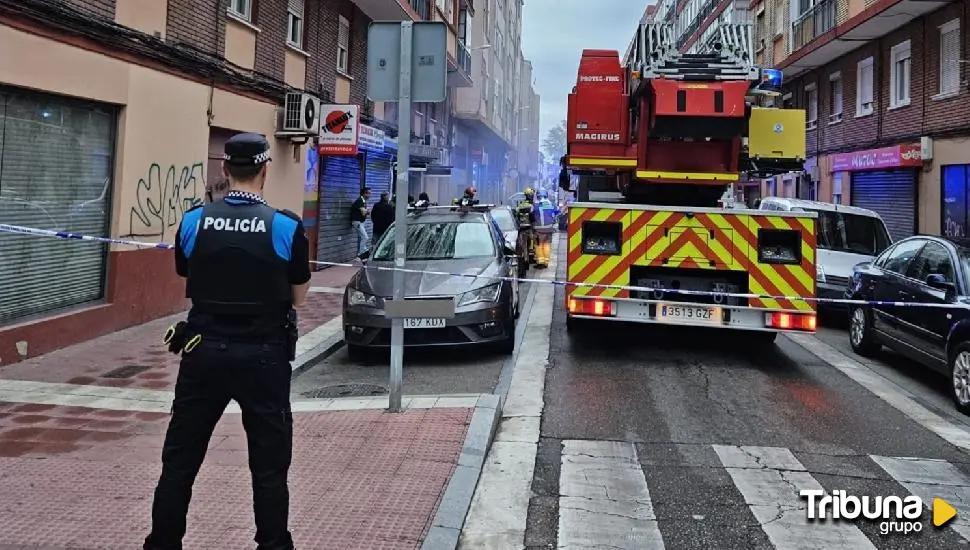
[[771, 79]]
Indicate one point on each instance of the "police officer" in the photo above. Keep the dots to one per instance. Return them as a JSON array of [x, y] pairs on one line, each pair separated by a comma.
[[525, 211], [247, 266]]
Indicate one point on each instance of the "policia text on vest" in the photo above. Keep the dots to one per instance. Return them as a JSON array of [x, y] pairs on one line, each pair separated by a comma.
[[246, 266]]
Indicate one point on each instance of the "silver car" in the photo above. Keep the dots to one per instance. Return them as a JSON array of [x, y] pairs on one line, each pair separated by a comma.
[[448, 248]]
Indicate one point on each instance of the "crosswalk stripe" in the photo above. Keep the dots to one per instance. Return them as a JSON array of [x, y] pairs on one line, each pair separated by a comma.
[[931, 478], [604, 501], [769, 479]]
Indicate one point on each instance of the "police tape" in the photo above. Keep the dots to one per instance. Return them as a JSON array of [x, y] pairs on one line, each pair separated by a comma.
[[656, 293]]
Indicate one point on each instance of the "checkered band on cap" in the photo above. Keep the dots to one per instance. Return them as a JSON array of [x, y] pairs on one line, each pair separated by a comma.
[[258, 159]]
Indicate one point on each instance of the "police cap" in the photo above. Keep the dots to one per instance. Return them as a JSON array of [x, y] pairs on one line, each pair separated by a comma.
[[247, 149]]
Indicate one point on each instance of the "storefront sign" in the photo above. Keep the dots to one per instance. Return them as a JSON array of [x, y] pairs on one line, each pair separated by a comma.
[[339, 130], [897, 156], [370, 138]]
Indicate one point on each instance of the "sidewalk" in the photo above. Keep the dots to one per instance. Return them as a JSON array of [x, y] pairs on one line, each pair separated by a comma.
[[81, 431], [136, 358]]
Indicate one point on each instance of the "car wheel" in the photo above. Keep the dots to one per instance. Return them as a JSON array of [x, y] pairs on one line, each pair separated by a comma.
[[960, 374], [356, 354], [507, 346], [861, 337]]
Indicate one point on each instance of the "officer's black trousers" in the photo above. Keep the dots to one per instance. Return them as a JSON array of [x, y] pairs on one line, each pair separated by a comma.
[[257, 377]]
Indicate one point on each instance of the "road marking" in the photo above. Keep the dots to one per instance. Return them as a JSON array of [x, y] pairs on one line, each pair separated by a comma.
[[139, 400], [496, 519], [604, 501], [888, 391], [770, 478], [931, 478]]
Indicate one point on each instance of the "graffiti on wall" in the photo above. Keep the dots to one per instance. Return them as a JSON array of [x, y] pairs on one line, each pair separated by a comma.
[[162, 196]]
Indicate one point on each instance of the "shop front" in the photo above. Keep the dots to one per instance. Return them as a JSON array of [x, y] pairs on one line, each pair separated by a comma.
[[945, 189], [342, 176], [885, 181]]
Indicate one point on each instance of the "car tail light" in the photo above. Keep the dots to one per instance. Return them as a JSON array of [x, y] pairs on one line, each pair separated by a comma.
[[791, 321], [595, 307]]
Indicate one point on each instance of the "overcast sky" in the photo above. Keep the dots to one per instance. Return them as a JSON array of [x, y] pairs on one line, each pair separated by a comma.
[[555, 32]]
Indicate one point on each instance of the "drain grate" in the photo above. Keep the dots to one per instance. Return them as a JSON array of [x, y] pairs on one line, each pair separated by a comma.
[[126, 371], [346, 390]]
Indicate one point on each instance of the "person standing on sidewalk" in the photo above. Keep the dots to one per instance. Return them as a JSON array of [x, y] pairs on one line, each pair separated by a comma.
[[382, 216], [358, 216], [247, 267]]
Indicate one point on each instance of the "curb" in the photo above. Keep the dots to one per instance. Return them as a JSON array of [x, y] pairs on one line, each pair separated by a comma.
[[316, 354], [446, 526]]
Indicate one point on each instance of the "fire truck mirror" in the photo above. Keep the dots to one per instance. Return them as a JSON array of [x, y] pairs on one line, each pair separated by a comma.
[[602, 238], [779, 246]]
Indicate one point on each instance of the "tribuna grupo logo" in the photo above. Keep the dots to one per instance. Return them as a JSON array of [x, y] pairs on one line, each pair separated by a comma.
[[895, 514]]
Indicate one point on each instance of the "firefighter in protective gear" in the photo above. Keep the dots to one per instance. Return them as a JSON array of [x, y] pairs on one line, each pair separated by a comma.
[[467, 199], [527, 218], [544, 227]]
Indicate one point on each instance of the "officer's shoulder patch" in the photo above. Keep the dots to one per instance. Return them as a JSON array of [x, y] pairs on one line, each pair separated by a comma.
[[290, 214]]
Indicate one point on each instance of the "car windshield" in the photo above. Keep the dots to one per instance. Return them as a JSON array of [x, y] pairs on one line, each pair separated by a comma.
[[440, 241], [854, 233], [504, 219]]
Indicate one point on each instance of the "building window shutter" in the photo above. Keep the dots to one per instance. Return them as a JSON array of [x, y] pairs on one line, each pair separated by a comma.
[[950, 57]]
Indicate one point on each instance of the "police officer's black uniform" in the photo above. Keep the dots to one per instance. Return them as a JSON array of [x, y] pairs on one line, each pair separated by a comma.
[[241, 258]]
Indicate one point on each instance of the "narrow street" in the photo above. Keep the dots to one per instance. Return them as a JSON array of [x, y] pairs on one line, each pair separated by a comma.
[[656, 437]]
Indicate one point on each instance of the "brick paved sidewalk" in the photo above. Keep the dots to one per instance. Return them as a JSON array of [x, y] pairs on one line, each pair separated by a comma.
[[73, 477], [136, 358]]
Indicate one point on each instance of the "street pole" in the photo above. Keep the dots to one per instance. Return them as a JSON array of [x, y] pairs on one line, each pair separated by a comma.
[[401, 216]]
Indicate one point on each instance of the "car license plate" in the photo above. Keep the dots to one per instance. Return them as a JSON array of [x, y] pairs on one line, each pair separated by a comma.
[[423, 322], [689, 314]]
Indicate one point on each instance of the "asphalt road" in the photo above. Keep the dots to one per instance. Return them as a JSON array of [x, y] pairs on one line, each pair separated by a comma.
[[682, 402], [430, 371]]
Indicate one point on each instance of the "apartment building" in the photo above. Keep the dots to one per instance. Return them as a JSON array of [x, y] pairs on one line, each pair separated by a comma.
[[489, 113], [884, 84], [114, 116], [524, 162]]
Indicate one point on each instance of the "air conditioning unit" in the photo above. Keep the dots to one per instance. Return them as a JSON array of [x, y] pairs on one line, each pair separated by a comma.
[[300, 116]]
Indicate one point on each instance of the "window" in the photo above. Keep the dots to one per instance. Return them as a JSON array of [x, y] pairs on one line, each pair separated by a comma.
[[899, 75], [863, 98], [343, 45], [811, 105], [835, 97], [955, 180], [950, 58], [441, 241], [294, 23], [242, 9], [851, 233], [41, 275], [898, 259], [932, 260]]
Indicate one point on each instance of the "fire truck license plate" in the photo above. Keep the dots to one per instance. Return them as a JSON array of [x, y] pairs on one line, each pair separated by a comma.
[[695, 314]]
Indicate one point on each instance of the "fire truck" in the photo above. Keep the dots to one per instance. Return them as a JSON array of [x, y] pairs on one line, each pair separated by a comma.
[[653, 143]]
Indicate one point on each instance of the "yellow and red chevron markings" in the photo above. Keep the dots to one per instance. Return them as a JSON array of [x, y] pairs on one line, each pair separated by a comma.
[[717, 241]]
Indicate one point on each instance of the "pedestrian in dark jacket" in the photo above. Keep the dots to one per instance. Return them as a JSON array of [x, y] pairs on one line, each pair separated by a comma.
[[382, 216]]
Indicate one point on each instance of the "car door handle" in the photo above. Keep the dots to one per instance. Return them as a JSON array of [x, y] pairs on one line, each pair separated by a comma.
[[903, 295]]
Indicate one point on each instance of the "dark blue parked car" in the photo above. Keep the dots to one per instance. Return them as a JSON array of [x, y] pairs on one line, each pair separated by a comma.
[[921, 269]]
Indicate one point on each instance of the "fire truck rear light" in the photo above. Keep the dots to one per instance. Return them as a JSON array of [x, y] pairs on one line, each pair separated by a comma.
[[792, 321], [598, 308]]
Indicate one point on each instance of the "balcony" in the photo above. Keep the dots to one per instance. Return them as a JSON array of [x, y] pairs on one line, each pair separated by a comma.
[[829, 31], [815, 22], [460, 67], [394, 10]]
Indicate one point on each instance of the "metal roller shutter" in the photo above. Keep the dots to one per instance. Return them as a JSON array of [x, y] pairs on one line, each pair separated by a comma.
[[891, 194], [379, 167], [55, 173], [340, 183]]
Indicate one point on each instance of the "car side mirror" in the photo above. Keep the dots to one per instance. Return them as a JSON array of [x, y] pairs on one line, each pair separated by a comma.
[[508, 251], [365, 256], [937, 281]]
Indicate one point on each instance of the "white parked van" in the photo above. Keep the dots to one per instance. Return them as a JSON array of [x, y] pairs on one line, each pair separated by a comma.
[[847, 236]]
